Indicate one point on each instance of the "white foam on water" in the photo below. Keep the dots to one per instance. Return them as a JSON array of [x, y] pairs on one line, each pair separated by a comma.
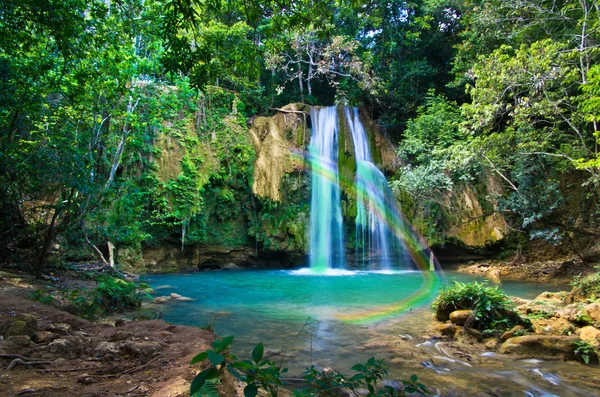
[[307, 271]]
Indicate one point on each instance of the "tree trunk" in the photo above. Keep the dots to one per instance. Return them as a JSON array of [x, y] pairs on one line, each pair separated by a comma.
[[47, 242], [300, 75]]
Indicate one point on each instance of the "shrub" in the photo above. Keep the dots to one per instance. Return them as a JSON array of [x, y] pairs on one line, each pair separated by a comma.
[[116, 295], [492, 308], [589, 286], [111, 295], [258, 373]]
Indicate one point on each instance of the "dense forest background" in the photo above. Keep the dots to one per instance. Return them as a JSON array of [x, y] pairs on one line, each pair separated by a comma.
[[94, 94]]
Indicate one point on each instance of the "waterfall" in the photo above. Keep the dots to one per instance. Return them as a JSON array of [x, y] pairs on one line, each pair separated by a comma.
[[376, 245], [374, 240], [326, 236]]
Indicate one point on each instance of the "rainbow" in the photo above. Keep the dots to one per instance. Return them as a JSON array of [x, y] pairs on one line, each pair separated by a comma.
[[416, 246]]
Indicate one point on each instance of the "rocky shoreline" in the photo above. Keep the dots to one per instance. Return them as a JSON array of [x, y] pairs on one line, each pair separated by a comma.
[[45, 351], [555, 271]]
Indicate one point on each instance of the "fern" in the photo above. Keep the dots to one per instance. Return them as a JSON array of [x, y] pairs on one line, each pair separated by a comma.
[[208, 389]]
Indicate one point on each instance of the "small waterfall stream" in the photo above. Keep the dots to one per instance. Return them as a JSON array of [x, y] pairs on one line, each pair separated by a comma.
[[374, 241], [326, 235]]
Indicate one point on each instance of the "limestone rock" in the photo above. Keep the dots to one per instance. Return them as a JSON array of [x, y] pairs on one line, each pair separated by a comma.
[[64, 348], [492, 344], [44, 337], [448, 330], [590, 334], [552, 297], [511, 333], [105, 348], [162, 299], [593, 311], [494, 275], [143, 349], [460, 317], [541, 346], [551, 326], [24, 324], [230, 266], [177, 297], [59, 328]]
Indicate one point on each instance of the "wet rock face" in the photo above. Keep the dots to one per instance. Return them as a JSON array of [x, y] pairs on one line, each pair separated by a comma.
[[547, 347]]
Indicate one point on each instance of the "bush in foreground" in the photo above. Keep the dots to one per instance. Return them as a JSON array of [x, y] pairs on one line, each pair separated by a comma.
[[266, 375], [490, 305]]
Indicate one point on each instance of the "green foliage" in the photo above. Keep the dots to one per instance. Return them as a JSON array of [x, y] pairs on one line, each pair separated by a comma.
[[256, 373], [111, 295], [367, 376], [266, 375], [589, 286], [492, 308], [585, 352]]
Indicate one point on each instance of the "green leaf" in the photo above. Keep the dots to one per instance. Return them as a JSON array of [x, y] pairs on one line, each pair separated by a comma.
[[243, 365], [221, 344], [413, 378], [201, 378], [235, 373], [200, 357], [258, 352], [250, 390], [215, 358], [359, 367]]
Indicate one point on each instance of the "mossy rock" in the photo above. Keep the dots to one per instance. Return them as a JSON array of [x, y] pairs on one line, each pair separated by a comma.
[[23, 324]]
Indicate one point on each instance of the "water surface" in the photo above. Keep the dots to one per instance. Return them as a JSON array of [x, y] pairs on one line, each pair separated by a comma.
[[273, 307]]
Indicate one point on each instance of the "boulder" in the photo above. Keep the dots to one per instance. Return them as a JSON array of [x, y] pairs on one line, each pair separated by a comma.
[[64, 348], [546, 347], [460, 317], [138, 348], [177, 297], [230, 266], [552, 297], [551, 326], [512, 332], [105, 348], [162, 299], [448, 330], [491, 344], [494, 276], [590, 334], [59, 328], [23, 324], [44, 337], [593, 312]]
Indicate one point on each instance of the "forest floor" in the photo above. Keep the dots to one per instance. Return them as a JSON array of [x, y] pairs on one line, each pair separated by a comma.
[[45, 351]]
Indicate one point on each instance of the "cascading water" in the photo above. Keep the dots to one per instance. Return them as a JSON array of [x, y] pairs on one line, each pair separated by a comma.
[[326, 236], [374, 241]]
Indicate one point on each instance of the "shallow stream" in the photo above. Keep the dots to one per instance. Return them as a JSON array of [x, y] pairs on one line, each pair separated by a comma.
[[273, 307]]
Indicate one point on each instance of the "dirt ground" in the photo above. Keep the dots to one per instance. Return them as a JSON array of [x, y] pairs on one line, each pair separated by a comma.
[[47, 352]]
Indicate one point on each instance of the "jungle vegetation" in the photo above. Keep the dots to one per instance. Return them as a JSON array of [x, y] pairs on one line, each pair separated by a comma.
[[465, 89]]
